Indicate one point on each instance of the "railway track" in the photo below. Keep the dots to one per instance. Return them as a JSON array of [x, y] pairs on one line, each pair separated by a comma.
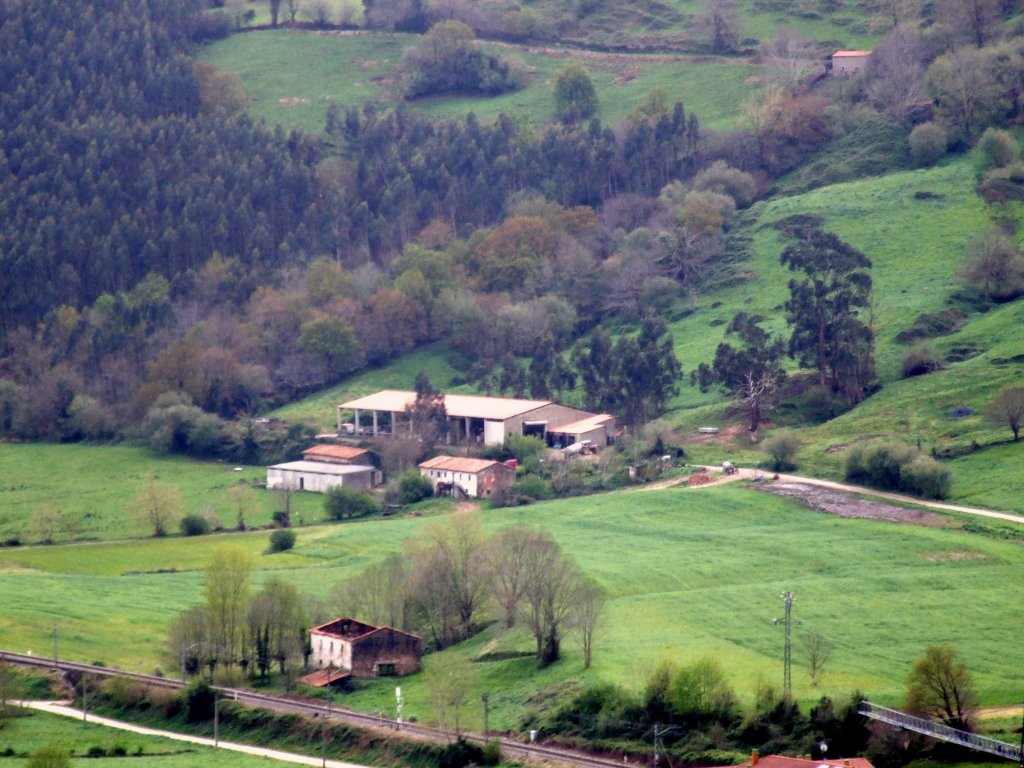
[[510, 747]]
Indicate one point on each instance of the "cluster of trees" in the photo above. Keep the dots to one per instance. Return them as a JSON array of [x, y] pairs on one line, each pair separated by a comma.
[[448, 60], [828, 333], [448, 583], [235, 629]]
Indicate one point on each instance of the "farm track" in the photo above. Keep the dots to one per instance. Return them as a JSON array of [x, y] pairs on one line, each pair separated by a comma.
[[510, 747], [796, 480]]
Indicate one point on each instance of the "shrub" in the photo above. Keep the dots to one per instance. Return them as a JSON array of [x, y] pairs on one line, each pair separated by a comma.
[[343, 502], [449, 60], [898, 467], [281, 519], [574, 90], [492, 753], [194, 525], [199, 702], [722, 178], [460, 754], [532, 488], [414, 487], [924, 476], [782, 447], [928, 142], [50, 756], [920, 360], [96, 751], [998, 148], [282, 540]]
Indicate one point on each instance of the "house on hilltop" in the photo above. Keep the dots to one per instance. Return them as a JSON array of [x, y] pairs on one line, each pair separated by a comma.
[[472, 419], [361, 650], [459, 476]]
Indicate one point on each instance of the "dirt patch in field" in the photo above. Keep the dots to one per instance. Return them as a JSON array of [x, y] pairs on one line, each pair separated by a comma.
[[292, 101], [954, 556], [850, 505]]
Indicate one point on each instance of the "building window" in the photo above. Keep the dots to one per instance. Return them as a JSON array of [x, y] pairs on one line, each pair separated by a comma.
[[385, 670]]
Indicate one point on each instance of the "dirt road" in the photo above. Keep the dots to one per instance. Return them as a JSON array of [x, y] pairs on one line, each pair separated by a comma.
[[790, 485], [57, 708]]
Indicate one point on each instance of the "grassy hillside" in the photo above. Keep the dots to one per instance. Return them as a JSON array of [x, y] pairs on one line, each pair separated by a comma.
[[291, 77], [706, 584], [95, 484]]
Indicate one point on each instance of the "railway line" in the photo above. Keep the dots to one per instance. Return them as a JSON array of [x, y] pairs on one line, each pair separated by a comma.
[[512, 748]]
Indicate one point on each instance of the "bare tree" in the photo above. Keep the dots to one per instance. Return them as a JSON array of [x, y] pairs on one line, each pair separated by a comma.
[[892, 14], [45, 523], [818, 650], [718, 22], [590, 599], [507, 557], [449, 680], [430, 594], [242, 498], [10, 689], [995, 265], [158, 504], [972, 20], [792, 59], [462, 542], [896, 74], [1008, 410], [552, 584], [941, 686]]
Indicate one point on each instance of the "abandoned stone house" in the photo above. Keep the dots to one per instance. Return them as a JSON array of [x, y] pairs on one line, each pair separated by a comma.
[[364, 650], [849, 63]]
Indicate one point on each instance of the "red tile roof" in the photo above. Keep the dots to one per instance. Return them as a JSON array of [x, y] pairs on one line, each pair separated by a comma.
[[460, 464], [850, 54], [319, 678], [343, 452], [782, 761]]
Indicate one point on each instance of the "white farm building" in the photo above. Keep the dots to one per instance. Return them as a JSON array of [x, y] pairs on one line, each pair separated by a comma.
[[318, 476], [473, 419]]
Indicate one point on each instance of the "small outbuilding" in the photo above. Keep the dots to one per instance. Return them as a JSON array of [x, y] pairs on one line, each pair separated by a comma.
[[364, 650], [337, 454], [460, 476], [318, 476], [599, 430], [849, 63]]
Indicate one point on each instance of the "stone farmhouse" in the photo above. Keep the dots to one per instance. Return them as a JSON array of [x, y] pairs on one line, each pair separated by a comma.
[[460, 476], [361, 650]]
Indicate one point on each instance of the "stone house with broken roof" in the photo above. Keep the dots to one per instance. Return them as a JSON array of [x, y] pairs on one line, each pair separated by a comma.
[[364, 650]]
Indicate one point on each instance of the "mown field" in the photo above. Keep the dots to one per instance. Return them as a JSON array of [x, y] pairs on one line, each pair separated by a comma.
[[689, 573], [96, 484], [29, 733], [292, 76]]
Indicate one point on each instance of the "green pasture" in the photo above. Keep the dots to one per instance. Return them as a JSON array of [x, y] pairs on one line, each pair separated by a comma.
[[95, 485], [37, 729], [689, 574], [292, 76]]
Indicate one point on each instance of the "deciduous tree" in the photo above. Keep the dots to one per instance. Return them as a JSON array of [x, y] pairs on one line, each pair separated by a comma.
[[159, 505], [226, 592], [817, 651], [941, 686], [1007, 410]]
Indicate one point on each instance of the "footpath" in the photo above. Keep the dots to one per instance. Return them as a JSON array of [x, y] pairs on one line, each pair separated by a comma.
[[57, 708]]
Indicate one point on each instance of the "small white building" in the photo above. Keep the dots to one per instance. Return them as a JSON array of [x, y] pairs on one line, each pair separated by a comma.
[[318, 476], [849, 63], [476, 478]]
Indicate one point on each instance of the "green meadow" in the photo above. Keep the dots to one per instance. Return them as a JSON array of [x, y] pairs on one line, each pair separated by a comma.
[[291, 77], [95, 485], [37, 729], [689, 574]]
